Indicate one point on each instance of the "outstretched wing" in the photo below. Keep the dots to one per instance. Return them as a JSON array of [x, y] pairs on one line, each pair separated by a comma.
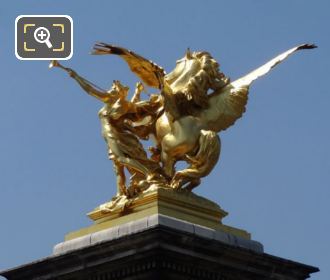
[[264, 69], [225, 107], [228, 104], [149, 72]]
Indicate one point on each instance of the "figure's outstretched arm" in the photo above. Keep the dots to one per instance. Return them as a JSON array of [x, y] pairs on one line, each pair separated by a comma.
[[89, 87]]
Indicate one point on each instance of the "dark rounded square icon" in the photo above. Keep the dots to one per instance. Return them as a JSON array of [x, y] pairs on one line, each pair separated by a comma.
[[43, 37]]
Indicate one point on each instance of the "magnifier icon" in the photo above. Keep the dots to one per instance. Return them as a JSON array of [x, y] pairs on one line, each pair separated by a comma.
[[41, 35]]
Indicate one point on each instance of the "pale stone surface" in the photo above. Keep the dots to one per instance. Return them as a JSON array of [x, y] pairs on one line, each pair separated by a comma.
[[222, 236], [151, 222], [175, 223], [204, 232], [74, 244], [104, 235], [160, 247]]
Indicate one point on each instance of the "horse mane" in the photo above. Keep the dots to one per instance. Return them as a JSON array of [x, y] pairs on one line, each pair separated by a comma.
[[194, 96]]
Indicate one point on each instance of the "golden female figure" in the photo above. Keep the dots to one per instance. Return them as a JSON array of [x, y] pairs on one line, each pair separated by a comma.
[[117, 117]]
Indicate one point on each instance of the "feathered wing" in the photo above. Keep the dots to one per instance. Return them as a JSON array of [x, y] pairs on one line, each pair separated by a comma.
[[225, 107], [228, 104], [149, 72]]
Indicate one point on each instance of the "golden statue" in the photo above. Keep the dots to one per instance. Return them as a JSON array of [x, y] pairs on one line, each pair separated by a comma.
[[195, 102]]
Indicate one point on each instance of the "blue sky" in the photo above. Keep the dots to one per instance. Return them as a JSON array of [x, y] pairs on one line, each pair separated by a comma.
[[274, 170]]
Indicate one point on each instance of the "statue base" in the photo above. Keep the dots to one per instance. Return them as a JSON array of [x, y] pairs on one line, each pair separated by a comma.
[[160, 234], [182, 205], [160, 247]]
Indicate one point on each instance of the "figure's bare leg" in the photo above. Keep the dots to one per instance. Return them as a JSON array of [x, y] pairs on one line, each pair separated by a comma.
[[134, 164], [123, 160], [120, 174]]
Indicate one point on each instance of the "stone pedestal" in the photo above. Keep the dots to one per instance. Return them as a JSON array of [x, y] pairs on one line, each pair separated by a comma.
[[160, 247], [181, 205], [147, 242]]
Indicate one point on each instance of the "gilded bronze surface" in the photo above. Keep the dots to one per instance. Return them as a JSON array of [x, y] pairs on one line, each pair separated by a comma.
[[195, 102]]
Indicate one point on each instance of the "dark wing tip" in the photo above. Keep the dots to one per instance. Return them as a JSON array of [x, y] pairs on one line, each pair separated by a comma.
[[103, 48], [307, 46]]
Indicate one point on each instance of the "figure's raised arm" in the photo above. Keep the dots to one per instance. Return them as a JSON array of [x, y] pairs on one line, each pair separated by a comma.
[[89, 87]]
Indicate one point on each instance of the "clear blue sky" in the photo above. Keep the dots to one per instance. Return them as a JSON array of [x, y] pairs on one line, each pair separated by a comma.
[[274, 172]]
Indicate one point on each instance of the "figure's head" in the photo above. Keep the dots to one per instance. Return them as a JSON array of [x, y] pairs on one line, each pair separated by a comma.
[[194, 75], [119, 90]]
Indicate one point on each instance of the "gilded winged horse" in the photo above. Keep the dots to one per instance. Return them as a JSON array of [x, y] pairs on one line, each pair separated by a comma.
[[199, 101]]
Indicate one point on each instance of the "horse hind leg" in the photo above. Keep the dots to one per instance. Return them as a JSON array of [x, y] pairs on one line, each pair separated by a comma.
[[201, 164], [187, 179], [168, 164], [193, 184], [208, 152]]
